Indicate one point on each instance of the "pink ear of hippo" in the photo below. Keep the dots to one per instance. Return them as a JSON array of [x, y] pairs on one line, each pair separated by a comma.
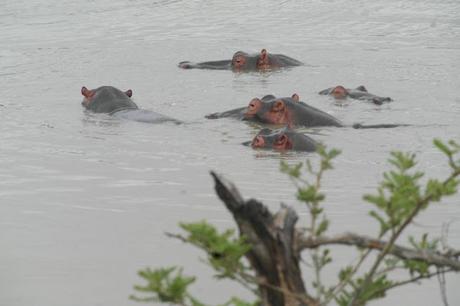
[[86, 92], [129, 93], [295, 97], [263, 54]]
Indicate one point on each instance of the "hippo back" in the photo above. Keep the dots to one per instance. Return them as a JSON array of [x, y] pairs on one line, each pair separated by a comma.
[[284, 61], [108, 99], [301, 142], [142, 115], [307, 115]]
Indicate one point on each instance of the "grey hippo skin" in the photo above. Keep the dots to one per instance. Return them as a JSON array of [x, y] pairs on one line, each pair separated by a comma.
[[242, 61], [287, 111], [283, 139], [112, 101], [360, 93]]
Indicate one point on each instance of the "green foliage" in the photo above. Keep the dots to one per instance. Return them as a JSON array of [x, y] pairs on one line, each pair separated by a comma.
[[374, 290], [224, 252], [417, 267], [399, 198], [292, 171], [238, 302], [398, 193], [309, 194], [165, 286], [322, 227]]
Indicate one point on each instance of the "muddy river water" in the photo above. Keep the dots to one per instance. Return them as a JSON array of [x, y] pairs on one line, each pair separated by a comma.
[[85, 199]]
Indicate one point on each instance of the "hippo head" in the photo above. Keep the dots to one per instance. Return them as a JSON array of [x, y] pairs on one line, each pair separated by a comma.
[[243, 61], [268, 139], [106, 99], [339, 92], [271, 110], [240, 60]]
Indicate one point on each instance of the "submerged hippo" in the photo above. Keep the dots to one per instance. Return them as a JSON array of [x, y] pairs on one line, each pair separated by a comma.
[[288, 111], [243, 61], [359, 93], [282, 140], [282, 111], [112, 101]]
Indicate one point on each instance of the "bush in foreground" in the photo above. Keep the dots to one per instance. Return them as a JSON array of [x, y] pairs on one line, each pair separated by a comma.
[[264, 257]]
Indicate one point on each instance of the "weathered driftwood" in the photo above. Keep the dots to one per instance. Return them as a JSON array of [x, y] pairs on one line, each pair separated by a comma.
[[277, 244], [273, 255]]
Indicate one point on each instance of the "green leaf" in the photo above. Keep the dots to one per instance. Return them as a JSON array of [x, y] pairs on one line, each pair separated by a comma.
[[309, 194], [223, 249], [164, 286], [322, 227], [384, 226], [442, 147], [292, 171], [238, 302]]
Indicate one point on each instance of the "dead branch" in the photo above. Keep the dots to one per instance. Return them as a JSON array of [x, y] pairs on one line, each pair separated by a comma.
[[434, 258]]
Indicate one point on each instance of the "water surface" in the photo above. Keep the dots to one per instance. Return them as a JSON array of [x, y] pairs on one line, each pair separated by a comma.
[[85, 199]]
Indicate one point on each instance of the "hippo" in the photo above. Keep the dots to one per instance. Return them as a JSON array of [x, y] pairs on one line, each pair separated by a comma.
[[282, 140], [243, 61], [288, 111], [112, 101], [359, 93]]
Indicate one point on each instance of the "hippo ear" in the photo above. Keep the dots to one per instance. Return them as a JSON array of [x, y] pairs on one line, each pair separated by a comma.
[[283, 142], [278, 106], [263, 54], [86, 92], [282, 139], [295, 97], [129, 93]]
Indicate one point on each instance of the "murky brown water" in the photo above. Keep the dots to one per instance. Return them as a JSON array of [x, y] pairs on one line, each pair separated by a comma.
[[85, 199]]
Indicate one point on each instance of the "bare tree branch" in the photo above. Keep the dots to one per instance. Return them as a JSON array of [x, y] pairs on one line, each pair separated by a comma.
[[430, 257]]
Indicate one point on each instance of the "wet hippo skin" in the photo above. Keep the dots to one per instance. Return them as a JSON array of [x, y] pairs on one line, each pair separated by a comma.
[[242, 61], [283, 139], [360, 93], [112, 101], [287, 111]]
